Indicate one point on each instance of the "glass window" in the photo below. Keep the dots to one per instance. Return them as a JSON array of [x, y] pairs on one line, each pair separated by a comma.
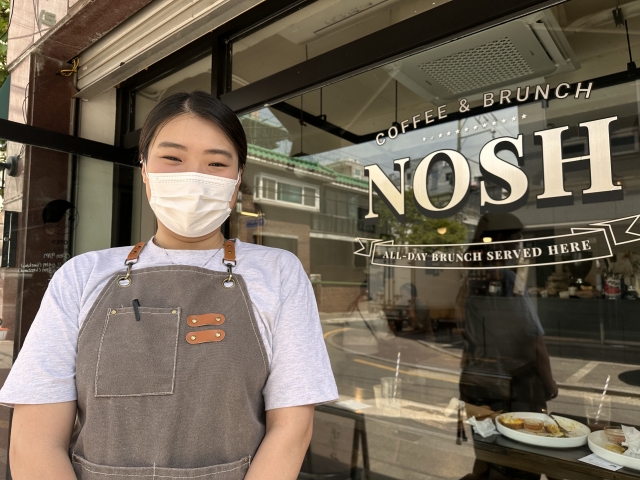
[[268, 188], [314, 30], [196, 76], [283, 191], [473, 250]]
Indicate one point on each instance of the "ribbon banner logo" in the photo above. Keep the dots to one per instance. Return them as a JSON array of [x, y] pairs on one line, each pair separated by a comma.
[[581, 245]]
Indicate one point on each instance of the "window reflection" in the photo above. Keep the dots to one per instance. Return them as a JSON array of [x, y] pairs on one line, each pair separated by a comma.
[[196, 76], [314, 30], [522, 337]]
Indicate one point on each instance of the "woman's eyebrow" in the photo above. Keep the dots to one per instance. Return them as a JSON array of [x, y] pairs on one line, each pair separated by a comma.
[[219, 151], [211, 151], [172, 145]]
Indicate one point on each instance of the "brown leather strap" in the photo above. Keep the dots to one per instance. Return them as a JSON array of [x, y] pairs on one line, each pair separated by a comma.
[[205, 336], [229, 251], [205, 319], [135, 252]]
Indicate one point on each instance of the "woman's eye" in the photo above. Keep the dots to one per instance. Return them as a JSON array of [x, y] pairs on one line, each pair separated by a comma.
[[169, 157], [217, 164]]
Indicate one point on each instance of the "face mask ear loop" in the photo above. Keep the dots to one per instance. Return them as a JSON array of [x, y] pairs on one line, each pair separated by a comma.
[[237, 181], [144, 165]]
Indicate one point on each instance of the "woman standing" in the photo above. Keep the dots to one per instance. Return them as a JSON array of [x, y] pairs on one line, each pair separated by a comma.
[[190, 356]]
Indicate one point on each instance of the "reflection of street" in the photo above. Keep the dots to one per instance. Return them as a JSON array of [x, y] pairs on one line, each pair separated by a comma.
[[408, 446]]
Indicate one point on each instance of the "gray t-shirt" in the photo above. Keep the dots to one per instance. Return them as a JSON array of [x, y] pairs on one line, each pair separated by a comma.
[[283, 303]]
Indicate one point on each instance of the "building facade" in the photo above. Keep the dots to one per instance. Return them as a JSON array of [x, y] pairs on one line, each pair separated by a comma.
[[457, 177]]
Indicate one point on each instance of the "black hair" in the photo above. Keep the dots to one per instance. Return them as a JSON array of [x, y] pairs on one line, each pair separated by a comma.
[[202, 105]]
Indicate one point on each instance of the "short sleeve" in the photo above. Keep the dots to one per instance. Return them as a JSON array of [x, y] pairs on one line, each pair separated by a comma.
[[44, 371], [300, 368]]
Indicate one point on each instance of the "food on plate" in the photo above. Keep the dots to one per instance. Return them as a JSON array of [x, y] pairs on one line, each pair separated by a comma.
[[539, 427], [612, 447], [513, 423], [553, 429], [533, 424], [614, 434]]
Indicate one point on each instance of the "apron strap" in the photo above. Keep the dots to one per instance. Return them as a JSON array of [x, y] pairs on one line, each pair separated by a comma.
[[229, 261], [229, 252], [135, 253]]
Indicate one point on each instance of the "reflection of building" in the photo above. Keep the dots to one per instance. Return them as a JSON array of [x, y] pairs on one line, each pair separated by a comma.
[[312, 210], [350, 167]]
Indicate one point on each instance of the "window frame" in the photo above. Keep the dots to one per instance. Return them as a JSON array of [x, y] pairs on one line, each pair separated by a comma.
[[258, 182]]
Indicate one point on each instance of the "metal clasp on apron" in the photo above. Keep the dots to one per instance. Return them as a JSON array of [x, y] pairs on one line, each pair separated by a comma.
[[125, 280], [132, 259], [229, 282]]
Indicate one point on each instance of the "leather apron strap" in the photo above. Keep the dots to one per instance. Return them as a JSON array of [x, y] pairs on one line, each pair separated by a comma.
[[135, 253], [229, 252]]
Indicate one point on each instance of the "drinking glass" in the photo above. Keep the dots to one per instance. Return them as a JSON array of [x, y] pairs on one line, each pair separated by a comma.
[[391, 390], [597, 410]]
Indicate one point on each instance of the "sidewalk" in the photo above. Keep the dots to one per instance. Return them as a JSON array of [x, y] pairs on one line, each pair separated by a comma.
[[444, 358]]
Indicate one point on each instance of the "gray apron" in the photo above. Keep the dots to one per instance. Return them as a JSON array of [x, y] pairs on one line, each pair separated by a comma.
[[170, 371]]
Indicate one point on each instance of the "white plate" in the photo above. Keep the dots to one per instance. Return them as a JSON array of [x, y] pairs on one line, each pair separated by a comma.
[[597, 441], [581, 431]]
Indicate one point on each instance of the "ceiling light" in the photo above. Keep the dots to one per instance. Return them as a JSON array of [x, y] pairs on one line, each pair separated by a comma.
[[487, 239]]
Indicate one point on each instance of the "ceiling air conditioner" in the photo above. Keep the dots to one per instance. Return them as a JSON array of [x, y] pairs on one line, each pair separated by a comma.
[[529, 48]]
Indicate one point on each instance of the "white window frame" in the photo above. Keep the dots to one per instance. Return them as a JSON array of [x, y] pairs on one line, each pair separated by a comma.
[[259, 184]]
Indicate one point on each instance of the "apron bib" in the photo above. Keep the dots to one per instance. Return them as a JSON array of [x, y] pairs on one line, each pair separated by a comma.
[[170, 371]]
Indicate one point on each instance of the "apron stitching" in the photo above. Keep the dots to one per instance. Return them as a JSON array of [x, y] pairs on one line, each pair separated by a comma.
[[146, 313], [104, 329], [146, 394], [86, 322], [160, 476], [151, 394], [194, 269], [175, 352]]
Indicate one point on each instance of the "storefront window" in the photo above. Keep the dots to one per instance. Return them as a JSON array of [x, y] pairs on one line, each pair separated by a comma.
[[314, 30], [196, 76], [467, 217]]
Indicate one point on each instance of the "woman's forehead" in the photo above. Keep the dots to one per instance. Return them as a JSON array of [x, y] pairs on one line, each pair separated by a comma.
[[191, 132]]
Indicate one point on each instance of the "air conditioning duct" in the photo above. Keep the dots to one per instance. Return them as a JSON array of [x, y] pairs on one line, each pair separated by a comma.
[[533, 47]]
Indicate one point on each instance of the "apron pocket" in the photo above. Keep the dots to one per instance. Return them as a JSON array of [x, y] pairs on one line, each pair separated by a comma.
[[138, 352], [86, 470]]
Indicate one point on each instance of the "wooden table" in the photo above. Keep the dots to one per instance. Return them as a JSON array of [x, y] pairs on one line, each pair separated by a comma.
[[496, 449], [554, 463]]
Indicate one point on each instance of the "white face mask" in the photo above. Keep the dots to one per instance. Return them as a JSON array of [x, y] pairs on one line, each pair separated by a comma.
[[191, 204]]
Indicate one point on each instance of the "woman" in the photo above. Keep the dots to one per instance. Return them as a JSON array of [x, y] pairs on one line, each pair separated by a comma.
[[187, 357], [505, 363]]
